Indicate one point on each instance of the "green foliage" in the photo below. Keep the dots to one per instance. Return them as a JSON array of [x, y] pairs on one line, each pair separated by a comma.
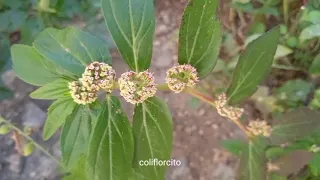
[[75, 136], [315, 165], [58, 112], [55, 90], [253, 66], [315, 66], [200, 36], [132, 26], [253, 161], [111, 144], [236, 147], [295, 125], [310, 32], [153, 134], [293, 94]]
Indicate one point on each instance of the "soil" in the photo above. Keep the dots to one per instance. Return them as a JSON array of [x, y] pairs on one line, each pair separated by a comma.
[[198, 132]]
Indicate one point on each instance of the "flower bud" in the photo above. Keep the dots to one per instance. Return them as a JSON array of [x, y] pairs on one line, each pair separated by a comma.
[[180, 77], [81, 94], [259, 128], [28, 149], [98, 76], [224, 110], [5, 129], [137, 87]]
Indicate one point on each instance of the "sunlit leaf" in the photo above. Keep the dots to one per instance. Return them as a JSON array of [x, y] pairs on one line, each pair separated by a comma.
[[200, 36], [153, 133], [132, 25], [310, 32], [111, 144], [55, 90], [253, 66]]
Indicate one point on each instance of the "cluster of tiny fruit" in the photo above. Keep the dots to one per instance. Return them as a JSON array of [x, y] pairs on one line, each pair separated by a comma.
[[225, 110], [259, 128]]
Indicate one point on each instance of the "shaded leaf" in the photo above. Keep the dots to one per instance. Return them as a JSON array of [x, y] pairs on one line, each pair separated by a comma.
[[315, 66], [200, 36], [58, 112], [295, 125], [55, 90], [71, 48], [31, 67], [253, 66], [236, 147], [111, 144], [253, 161], [75, 136], [153, 133], [310, 32], [5, 93], [131, 24]]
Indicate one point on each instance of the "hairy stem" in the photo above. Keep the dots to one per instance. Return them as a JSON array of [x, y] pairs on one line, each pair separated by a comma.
[[33, 141]]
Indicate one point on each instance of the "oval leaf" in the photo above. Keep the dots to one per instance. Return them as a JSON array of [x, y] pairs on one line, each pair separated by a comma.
[[310, 32], [253, 161], [253, 66], [55, 90], [200, 36], [31, 67], [111, 145], [71, 48], [75, 136], [132, 25], [294, 125], [57, 115], [153, 133]]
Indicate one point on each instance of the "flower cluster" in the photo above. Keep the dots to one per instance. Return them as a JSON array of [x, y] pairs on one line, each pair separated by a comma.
[[180, 77], [98, 76], [81, 94], [137, 87], [224, 110], [259, 128]]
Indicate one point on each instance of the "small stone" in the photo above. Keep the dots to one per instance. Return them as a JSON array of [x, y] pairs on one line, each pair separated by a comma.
[[215, 126]]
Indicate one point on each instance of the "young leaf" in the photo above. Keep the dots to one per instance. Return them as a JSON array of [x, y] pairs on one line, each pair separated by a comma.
[[58, 112], [236, 147], [253, 161], [294, 125], [75, 136], [31, 67], [55, 90], [71, 48], [253, 66], [200, 36], [153, 133], [111, 144], [132, 25]]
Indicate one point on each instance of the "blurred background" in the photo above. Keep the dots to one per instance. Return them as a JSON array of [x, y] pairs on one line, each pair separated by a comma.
[[199, 130]]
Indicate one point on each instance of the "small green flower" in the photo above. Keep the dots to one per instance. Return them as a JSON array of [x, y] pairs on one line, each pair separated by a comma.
[[98, 76], [180, 77], [137, 87], [81, 94]]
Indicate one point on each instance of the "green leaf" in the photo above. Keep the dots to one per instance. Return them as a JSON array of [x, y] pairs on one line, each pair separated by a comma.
[[310, 32], [71, 48], [295, 125], [78, 172], [153, 133], [315, 165], [236, 147], [55, 90], [315, 66], [5, 93], [200, 36], [58, 112], [131, 24], [274, 176], [31, 67], [75, 136], [282, 51], [111, 145], [253, 66], [253, 161]]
